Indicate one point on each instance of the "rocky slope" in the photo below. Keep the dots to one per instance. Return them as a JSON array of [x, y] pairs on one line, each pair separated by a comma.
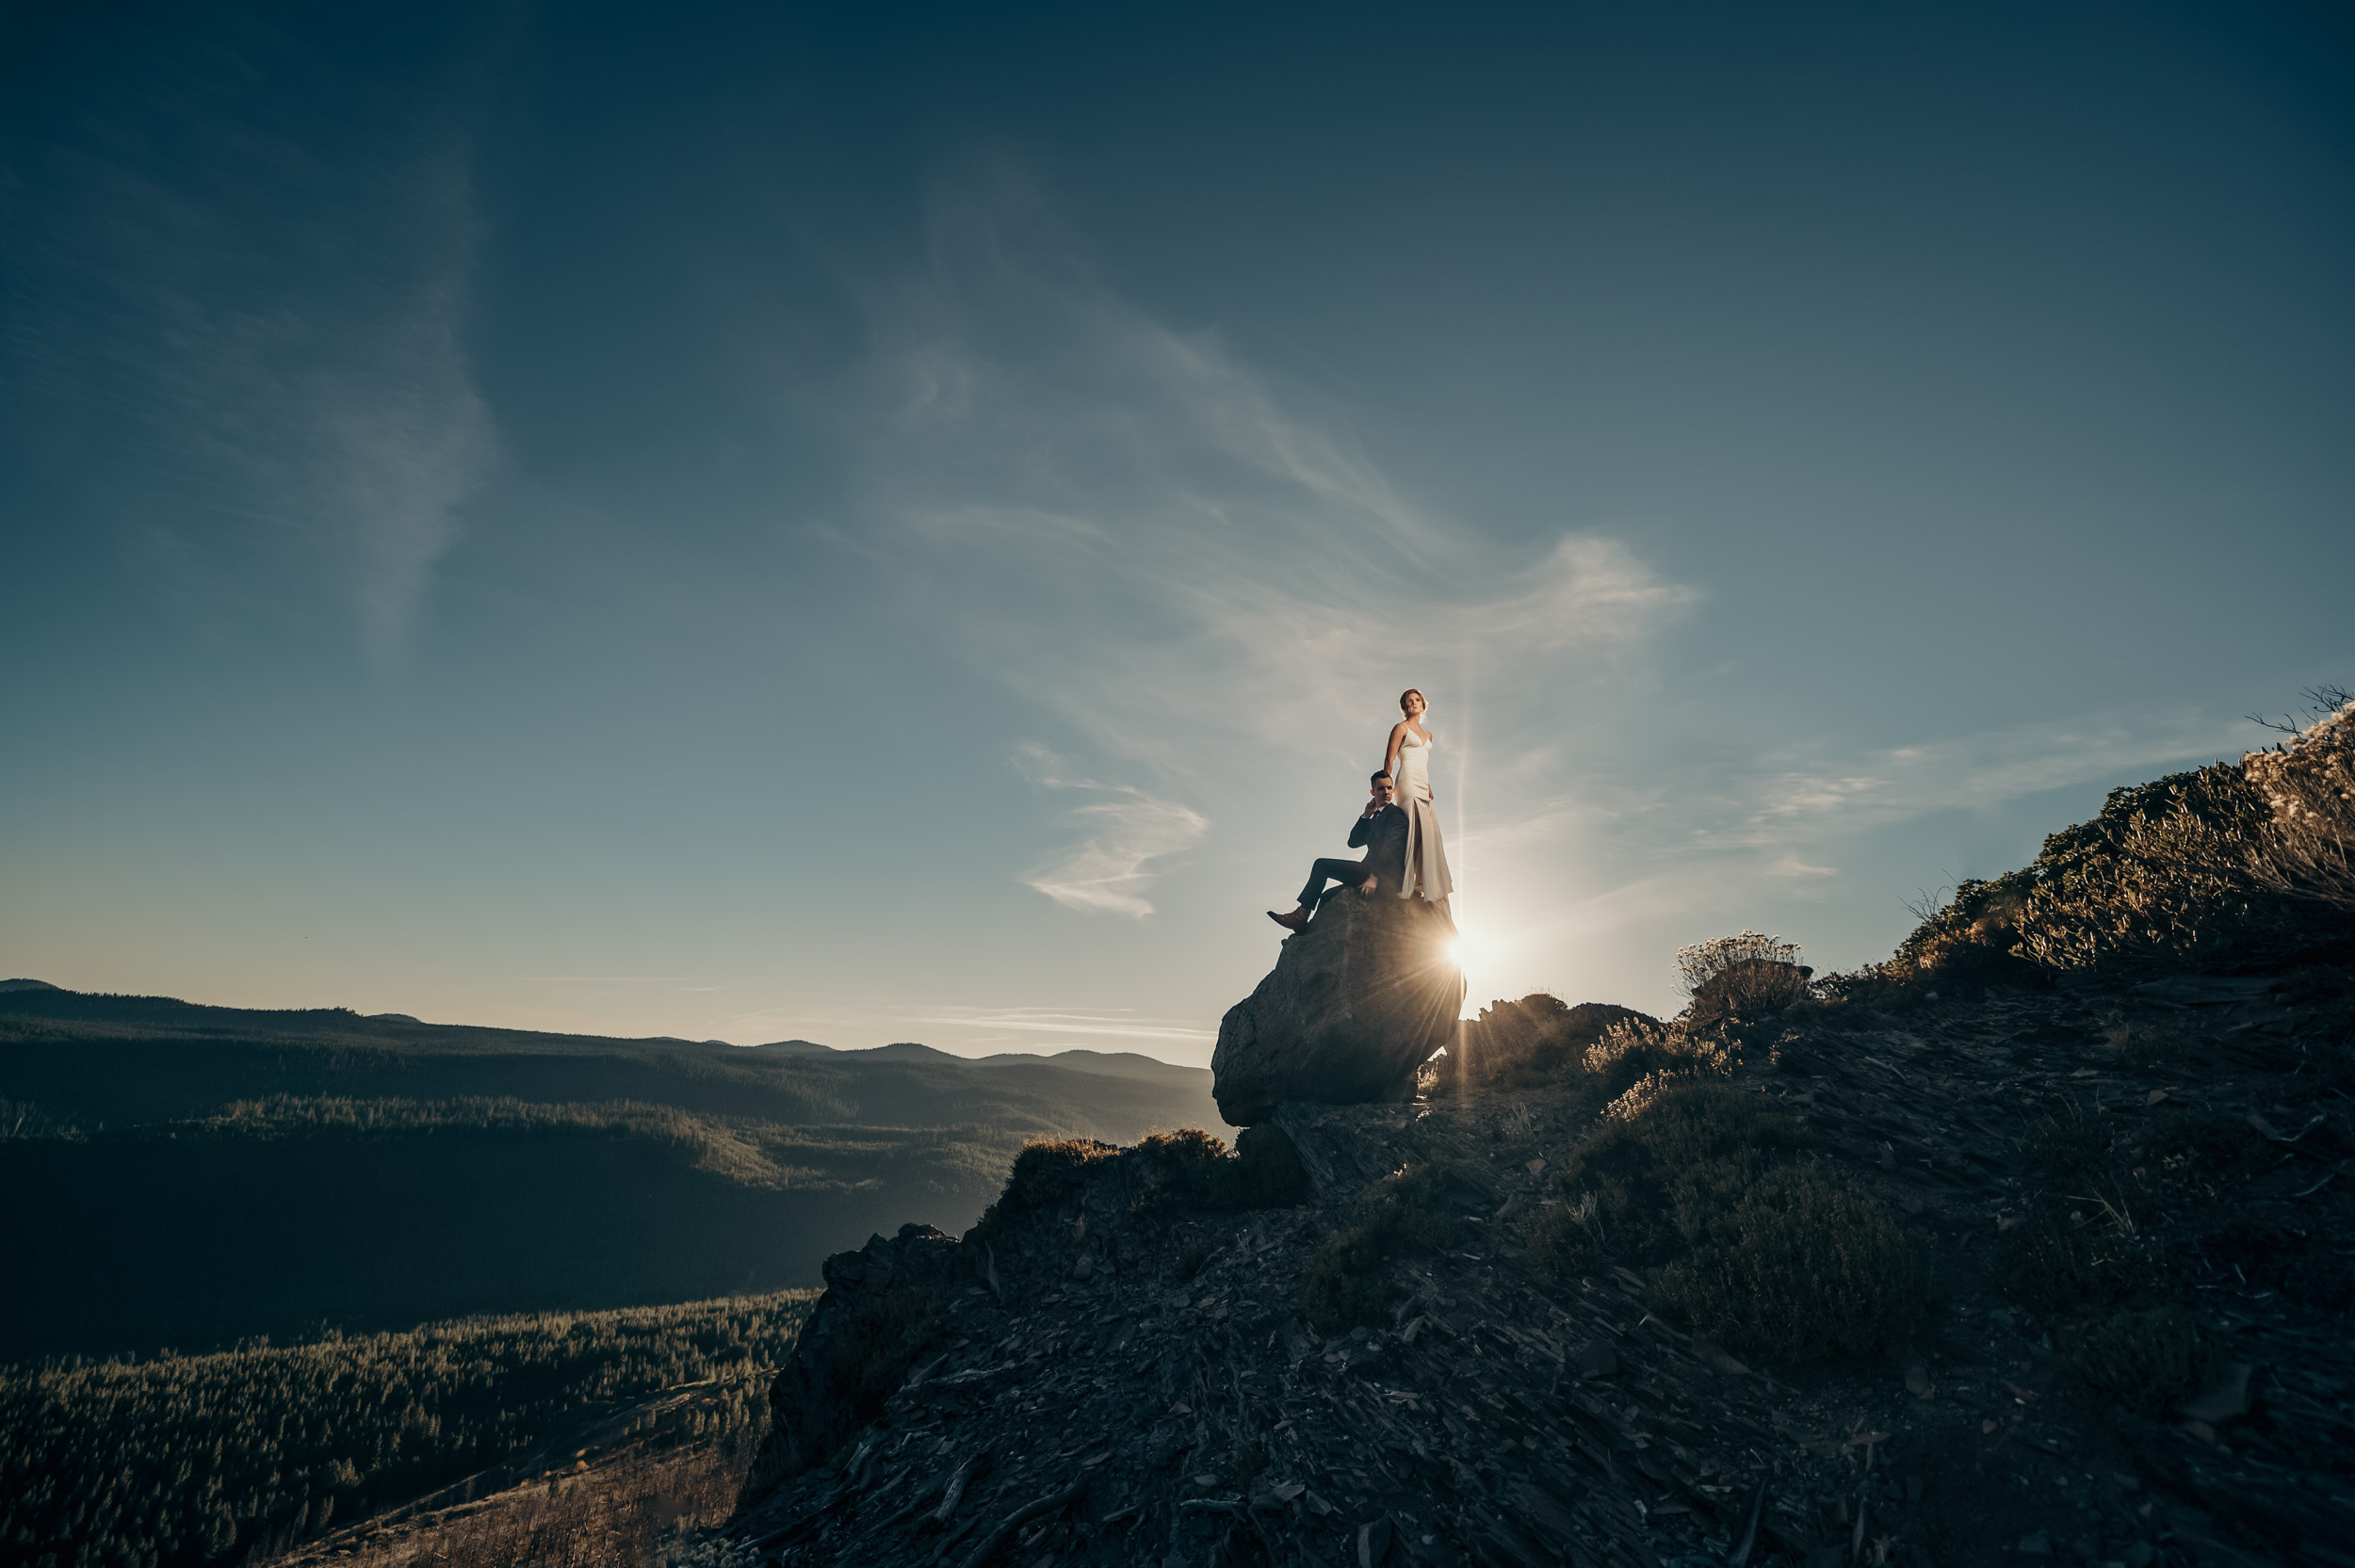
[[1116, 1366]]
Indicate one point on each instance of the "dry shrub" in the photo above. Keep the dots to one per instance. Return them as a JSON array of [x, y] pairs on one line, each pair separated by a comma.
[[1635, 1048], [1702, 961], [1966, 963], [2241, 863], [2146, 1360], [2157, 878], [2308, 785], [1747, 989], [616, 1515]]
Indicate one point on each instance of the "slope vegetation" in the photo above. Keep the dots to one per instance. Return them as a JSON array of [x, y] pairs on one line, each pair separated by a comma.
[[193, 1460]]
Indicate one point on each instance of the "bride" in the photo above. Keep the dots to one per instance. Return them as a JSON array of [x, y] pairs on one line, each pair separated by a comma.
[[1408, 762]]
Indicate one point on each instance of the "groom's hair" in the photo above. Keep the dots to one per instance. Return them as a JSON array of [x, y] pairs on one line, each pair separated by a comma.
[[1378, 777]]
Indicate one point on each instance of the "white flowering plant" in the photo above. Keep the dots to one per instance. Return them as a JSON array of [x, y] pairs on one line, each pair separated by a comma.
[[2307, 784], [1702, 961]]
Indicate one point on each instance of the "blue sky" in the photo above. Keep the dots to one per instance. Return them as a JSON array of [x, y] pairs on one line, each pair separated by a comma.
[[907, 522]]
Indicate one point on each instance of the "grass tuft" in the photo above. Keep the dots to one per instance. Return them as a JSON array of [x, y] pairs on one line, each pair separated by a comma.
[[2060, 1263], [2068, 1145], [2146, 1360]]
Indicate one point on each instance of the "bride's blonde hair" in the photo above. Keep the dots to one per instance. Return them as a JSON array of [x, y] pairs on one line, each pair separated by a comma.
[[1411, 691]]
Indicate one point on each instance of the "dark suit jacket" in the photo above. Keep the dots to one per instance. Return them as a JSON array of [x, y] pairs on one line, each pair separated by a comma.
[[1383, 837]]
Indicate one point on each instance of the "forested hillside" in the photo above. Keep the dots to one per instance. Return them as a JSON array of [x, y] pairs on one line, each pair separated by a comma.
[[186, 1176], [196, 1459]]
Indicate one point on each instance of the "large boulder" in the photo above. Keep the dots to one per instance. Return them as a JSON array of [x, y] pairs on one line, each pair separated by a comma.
[[1356, 1002]]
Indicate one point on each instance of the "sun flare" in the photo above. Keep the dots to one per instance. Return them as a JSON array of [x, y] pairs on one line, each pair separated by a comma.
[[1469, 952]]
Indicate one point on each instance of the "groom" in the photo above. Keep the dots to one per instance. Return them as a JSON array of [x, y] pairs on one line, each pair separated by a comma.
[[1381, 831]]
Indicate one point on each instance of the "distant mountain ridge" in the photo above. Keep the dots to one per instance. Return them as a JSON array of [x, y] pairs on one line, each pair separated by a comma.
[[280, 1168]]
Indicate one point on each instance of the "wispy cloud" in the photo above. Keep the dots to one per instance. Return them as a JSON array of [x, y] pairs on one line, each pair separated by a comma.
[[1125, 831], [1783, 805], [1195, 567], [266, 320], [1014, 1023], [968, 1028], [1195, 571]]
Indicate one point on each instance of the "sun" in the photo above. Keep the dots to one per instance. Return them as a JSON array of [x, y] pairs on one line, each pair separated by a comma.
[[1468, 952]]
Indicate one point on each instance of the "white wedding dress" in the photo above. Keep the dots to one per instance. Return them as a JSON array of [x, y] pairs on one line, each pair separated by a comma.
[[1426, 855]]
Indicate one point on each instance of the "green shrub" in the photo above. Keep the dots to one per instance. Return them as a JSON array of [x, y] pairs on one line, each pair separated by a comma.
[[1798, 1268], [1338, 1288], [1190, 1169], [1410, 1212], [2146, 1360], [1046, 1172], [869, 1360], [1170, 1169], [1667, 1146]]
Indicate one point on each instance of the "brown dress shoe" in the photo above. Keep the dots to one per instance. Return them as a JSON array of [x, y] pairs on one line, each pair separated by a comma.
[[1292, 922]]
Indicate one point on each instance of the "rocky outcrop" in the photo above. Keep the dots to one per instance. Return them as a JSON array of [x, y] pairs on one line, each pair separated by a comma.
[[881, 1305], [1116, 1382], [1356, 1002]]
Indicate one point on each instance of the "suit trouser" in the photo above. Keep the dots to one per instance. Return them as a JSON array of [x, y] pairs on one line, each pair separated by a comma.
[[1349, 873]]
